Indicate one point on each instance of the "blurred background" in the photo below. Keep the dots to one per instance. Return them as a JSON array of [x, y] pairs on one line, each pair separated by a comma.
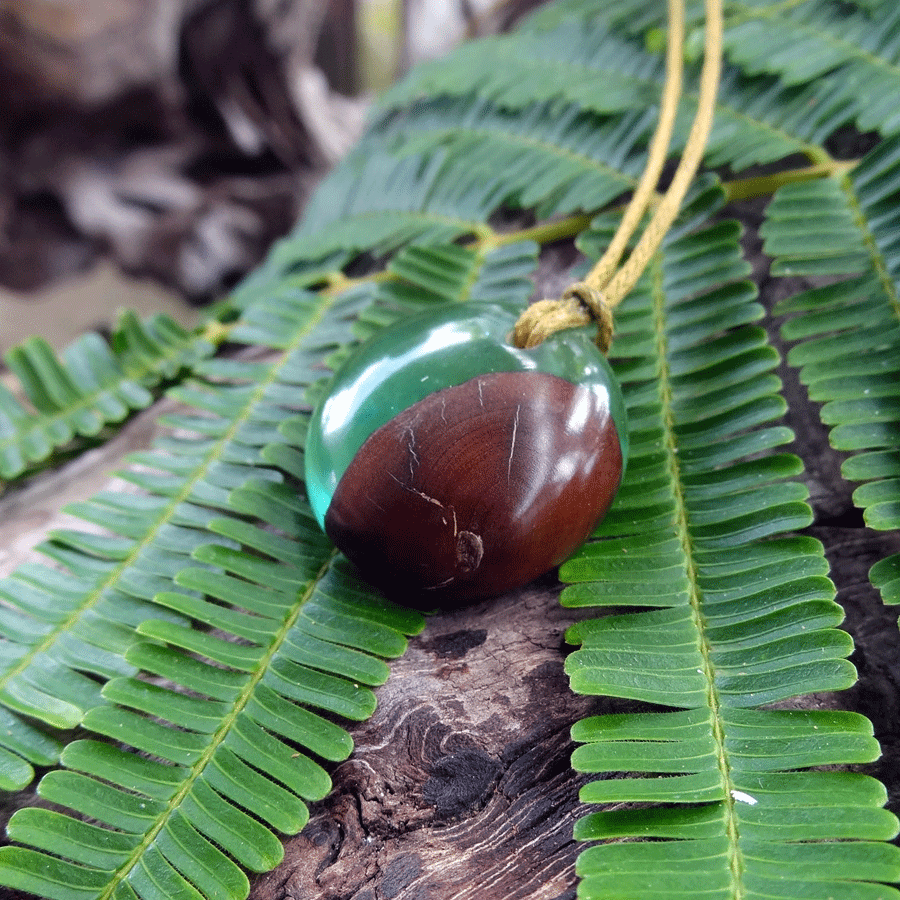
[[152, 150]]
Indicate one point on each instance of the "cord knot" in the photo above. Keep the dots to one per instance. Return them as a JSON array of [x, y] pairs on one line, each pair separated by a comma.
[[601, 312], [579, 305]]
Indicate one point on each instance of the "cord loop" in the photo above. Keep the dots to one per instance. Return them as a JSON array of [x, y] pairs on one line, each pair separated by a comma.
[[600, 310], [579, 305]]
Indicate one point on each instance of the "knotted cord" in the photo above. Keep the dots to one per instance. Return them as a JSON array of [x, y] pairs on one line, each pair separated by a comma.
[[605, 286]]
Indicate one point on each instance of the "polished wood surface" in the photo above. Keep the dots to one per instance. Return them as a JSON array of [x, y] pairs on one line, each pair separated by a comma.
[[478, 488]]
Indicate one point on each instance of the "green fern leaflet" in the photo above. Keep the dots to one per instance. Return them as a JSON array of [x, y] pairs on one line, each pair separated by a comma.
[[93, 385]]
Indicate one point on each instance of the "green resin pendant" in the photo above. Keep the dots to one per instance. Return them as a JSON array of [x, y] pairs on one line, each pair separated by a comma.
[[449, 465]]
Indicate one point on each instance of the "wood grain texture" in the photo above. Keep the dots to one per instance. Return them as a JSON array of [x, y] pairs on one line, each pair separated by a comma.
[[460, 785]]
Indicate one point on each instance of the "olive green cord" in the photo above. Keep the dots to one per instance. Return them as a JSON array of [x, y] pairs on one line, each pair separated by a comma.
[[604, 288]]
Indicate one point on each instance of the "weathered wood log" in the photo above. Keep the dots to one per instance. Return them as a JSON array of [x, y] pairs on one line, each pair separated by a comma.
[[179, 137], [459, 785]]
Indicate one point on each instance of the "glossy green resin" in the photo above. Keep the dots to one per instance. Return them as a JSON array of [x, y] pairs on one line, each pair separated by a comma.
[[418, 356]]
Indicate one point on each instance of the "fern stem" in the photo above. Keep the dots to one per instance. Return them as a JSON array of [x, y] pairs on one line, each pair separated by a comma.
[[682, 529], [571, 226], [543, 233], [338, 282], [217, 737], [568, 227], [216, 332], [65, 626], [766, 185], [879, 264], [215, 453]]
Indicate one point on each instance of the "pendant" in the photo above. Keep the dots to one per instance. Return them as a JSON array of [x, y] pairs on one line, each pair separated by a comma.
[[450, 466]]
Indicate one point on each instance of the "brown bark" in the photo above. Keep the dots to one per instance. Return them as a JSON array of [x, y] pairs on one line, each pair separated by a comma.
[[459, 786], [178, 137]]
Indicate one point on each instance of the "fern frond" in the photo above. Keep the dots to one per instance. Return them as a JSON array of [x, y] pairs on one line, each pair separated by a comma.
[[422, 276], [429, 171], [553, 161], [758, 119], [213, 578], [234, 749], [742, 616], [473, 160], [857, 52], [229, 757], [849, 331], [849, 58], [387, 203], [62, 624], [94, 383], [258, 642], [801, 42], [285, 275], [514, 72]]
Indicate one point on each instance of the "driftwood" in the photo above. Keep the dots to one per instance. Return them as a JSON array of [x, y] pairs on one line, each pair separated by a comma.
[[178, 137], [459, 785]]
